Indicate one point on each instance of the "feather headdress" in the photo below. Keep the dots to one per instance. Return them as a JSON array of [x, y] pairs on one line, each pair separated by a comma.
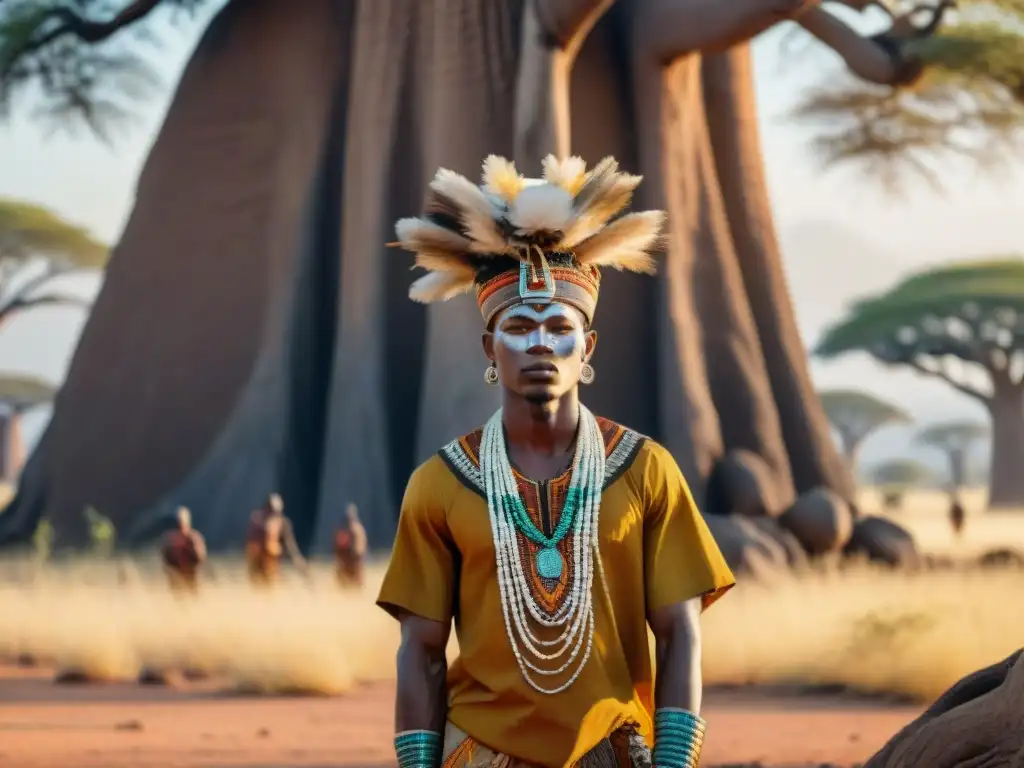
[[469, 235]]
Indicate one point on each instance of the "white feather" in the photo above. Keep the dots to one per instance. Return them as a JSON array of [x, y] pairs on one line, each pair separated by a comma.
[[439, 286], [541, 208]]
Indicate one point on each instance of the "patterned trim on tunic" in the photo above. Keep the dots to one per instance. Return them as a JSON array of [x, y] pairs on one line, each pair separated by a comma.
[[544, 501], [621, 445], [624, 748]]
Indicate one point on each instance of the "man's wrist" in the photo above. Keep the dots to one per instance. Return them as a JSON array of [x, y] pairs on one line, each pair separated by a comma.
[[418, 749], [678, 738]]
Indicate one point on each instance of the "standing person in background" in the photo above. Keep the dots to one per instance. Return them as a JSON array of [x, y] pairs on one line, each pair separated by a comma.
[[268, 539], [183, 552], [350, 550]]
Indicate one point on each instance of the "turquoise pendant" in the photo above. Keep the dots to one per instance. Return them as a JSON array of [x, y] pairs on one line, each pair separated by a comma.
[[549, 563]]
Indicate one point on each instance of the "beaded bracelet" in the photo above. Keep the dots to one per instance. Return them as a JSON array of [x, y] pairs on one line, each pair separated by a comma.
[[678, 738], [418, 749]]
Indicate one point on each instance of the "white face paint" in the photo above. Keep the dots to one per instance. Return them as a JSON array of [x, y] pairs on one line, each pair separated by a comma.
[[555, 326]]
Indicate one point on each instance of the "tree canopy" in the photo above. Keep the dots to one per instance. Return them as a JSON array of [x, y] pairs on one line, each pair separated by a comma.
[[944, 322], [856, 414], [954, 438], [36, 246], [68, 62], [900, 473], [969, 103], [21, 391], [30, 231]]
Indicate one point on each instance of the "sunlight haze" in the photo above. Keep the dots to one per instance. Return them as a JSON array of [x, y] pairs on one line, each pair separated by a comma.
[[841, 237]]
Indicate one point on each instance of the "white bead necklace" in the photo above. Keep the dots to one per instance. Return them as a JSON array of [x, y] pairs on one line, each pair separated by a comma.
[[576, 614]]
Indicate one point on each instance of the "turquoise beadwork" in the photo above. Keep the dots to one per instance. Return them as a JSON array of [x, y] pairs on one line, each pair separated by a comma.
[[549, 563]]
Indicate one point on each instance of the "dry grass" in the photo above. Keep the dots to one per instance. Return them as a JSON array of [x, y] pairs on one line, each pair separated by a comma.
[[872, 630], [877, 631], [912, 635]]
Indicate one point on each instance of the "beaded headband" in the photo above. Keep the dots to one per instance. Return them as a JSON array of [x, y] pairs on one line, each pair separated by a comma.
[[528, 241]]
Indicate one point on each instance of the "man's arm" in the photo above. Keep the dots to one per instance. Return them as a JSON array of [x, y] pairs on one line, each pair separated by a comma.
[[292, 547], [198, 545], [421, 703], [677, 656]]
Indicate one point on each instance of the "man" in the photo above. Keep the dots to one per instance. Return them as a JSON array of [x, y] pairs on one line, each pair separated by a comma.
[[957, 516], [270, 536], [183, 551], [551, 537], [350, 550]]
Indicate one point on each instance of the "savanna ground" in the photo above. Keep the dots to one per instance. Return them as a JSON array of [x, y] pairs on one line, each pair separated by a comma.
[[815, 668]]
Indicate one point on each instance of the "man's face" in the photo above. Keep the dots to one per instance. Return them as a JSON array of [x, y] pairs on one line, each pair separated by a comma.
[[539, 349]]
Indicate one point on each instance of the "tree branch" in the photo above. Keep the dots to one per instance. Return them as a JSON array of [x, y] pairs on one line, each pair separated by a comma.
[[73, 24], [945, 376], [25, 303]]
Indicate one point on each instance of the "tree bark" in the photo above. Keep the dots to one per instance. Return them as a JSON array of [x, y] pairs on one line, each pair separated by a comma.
[[736, 368], [177, 390], [732, 119], [1006, 480], [664, 101]]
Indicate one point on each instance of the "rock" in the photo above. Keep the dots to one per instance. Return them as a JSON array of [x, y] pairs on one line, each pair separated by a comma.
[[741, 484], [72, 676], [746, 549], [820, 520], [883, 541], [794, 553], [978, 723], [1004, 557], [151, 676]]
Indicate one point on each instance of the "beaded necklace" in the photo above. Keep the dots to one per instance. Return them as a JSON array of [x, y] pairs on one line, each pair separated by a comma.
[[579, 518]]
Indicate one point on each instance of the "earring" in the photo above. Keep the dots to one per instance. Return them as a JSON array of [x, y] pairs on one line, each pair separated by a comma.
[[587, 373], [491, 374]]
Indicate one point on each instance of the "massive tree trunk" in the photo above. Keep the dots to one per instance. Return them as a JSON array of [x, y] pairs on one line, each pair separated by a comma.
[[178, 391], [732, 118], [1006, 479], [254, 334]]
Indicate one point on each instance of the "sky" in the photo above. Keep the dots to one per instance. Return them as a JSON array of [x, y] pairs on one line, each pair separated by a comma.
[[842, 237]]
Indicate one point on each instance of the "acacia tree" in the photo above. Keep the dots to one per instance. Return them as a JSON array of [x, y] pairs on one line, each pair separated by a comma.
[[894, 478], [962, 324], [251, 294], [968, 103], [855, 415], [955, 440], [36, 247]]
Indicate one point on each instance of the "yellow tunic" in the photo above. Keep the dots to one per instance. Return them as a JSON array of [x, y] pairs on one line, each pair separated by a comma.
[[656, 551]]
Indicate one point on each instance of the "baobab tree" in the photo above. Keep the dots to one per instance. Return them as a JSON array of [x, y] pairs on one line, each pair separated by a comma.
[[962, 324], [252, 297]]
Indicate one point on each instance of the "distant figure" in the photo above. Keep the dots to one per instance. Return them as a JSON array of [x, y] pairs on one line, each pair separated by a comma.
[[350, 550], [183, 551], [957, 516], [270, 536]]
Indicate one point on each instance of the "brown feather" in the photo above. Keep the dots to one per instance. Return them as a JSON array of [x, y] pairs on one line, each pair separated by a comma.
[[477, 213], [597, 178], [422, 235], [625, 243]]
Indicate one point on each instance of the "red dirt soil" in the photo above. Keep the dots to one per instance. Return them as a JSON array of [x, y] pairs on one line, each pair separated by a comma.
[[43, 725]]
